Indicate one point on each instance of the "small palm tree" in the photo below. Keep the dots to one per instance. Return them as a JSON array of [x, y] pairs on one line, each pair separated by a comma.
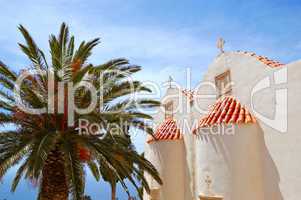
[[130, 164], [107, 173], [45, 146]]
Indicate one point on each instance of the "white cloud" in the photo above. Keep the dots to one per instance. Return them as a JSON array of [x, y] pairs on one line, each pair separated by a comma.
[[161, 51]]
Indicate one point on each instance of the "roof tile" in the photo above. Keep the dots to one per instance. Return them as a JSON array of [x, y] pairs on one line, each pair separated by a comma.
[[168, 130], [226, 110], [263, 59]]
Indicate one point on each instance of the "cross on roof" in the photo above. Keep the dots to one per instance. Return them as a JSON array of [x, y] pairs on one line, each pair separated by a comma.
[[220, 44], [170, 80]]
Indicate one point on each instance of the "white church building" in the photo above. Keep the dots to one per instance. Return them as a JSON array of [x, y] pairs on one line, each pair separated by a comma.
[[237, 136]]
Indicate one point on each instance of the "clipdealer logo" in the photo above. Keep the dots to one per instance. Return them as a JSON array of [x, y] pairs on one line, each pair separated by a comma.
[[279, 121]]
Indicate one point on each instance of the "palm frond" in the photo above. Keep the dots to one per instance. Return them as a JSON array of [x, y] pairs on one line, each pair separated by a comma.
[[32, 51], [13, 154], [63, 38], [19, 175], [94, 169], [7, 83], [123, 89], [142, 125], [6, 96], [5, 118], [70, 49], [78, 76], [84, 50], [5, 71]]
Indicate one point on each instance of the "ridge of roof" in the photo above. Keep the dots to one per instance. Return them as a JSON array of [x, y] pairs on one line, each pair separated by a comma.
[[265, 60]]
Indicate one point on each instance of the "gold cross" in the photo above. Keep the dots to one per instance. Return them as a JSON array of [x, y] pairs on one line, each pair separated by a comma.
[[220, 44]]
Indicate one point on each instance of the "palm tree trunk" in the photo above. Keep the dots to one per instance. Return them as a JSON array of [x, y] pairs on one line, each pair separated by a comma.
[[113, 190], [54, 185]]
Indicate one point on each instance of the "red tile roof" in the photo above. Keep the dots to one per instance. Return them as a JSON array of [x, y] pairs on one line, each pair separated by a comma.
[[263, 59], [226, 110], [168, 130]]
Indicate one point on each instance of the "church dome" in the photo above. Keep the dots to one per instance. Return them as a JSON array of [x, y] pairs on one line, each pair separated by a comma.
[[168, 130], [226, 110]]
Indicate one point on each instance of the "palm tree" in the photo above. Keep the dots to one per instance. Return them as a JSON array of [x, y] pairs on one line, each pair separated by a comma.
[[45, 146], [133, 164], [107, 173]]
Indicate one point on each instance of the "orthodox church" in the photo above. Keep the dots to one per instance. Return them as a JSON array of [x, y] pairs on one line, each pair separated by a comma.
[[236, 136]]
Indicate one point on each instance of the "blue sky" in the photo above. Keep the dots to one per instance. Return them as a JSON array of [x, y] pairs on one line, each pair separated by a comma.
[[163, 36]]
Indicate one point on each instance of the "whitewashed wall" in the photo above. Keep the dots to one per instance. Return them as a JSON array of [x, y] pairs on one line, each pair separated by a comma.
[[234, 163], [281, 163], [280, 152], [169, 159]]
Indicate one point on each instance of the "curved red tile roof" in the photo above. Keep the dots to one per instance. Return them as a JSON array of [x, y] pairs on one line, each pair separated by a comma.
[[263, 59], [168, 130], [226, 110]]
